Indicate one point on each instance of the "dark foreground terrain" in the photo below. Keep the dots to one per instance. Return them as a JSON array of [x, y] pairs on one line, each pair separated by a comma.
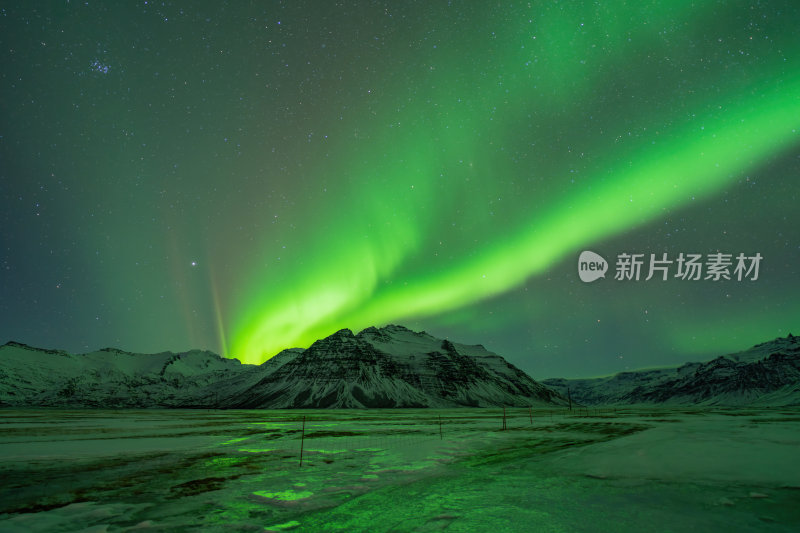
[[400, 470]]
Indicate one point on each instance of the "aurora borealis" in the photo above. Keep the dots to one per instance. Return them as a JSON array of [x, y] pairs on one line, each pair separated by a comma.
[[252, 176]]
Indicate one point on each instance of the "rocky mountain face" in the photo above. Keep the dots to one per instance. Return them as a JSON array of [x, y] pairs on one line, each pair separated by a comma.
[[387, 367], [395, 367], [766, 374]]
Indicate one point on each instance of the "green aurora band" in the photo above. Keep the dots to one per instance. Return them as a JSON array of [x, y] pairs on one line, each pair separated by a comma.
[[450, 193]]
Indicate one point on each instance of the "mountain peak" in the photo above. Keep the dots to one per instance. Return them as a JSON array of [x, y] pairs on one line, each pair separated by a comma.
[[396, 327], [16, 344], [388, 333], [114, 351], [23, 346], [343, 337]]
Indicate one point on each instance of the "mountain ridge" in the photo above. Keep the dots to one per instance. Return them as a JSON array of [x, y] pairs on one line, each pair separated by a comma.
[[765, 374], [379, 367], [391, 366]]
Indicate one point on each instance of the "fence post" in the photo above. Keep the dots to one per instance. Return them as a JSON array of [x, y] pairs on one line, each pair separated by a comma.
[[504, 418], [302, 439], [440, 427], [530, 413]]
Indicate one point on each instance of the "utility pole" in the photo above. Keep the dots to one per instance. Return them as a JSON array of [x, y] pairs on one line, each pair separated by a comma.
[[302, 440]]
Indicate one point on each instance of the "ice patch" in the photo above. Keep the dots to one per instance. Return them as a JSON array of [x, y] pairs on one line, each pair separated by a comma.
[[285, 496]]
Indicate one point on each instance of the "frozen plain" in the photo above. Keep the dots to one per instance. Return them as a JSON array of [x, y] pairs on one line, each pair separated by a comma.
[[391, 470]]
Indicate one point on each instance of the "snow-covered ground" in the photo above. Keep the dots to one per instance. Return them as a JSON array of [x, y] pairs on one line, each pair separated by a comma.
[[392, 470]]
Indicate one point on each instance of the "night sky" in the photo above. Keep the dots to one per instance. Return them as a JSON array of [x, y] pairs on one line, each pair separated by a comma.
[[250, 176]]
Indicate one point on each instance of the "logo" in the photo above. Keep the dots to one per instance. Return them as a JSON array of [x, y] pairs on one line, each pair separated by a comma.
[[716, 266], [591, 266]]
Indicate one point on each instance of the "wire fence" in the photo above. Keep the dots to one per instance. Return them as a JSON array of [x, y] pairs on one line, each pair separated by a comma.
[[302, 434]]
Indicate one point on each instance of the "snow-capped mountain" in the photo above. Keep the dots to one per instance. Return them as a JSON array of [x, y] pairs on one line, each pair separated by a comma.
[[766, 374], [114, 378], [387, 367], [395, 367]]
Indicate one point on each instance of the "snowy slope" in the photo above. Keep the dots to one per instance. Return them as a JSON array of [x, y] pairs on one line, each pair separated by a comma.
[[766, 374], [114, 378], [788, 345], [387, 367]]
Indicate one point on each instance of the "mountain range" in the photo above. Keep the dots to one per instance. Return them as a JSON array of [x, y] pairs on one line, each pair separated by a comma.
[[379, 367], [387, 367], [766, 374]]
